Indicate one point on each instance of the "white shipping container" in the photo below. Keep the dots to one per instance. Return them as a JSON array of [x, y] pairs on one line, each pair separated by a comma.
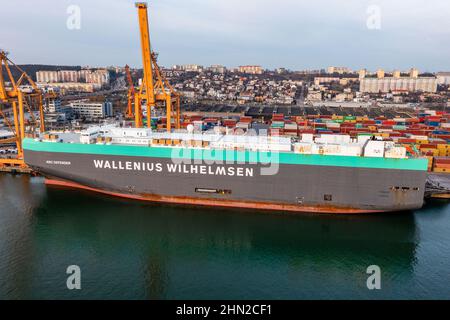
[[333, 125], [349, 150], [362, 139], [307, 137], [396, 152], [333, 138], [418, 137], [243, 125], [374, 149], [290, 126]]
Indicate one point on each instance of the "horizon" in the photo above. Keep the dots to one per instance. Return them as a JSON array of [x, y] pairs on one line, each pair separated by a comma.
[[372, 72], [356, 34]]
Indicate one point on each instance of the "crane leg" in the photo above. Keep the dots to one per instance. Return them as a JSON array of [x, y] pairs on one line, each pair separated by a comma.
[[21, 115], [169, 112], [137, 112], [17, 129], [41, 115]]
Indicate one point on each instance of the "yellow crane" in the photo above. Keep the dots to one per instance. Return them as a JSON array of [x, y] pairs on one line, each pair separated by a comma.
[[131, 93], [155, 88], [11, 94]]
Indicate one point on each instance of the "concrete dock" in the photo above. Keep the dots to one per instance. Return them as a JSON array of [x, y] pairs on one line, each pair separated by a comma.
[[437, 186]]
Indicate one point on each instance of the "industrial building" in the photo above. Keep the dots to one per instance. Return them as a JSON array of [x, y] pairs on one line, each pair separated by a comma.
[[89, 110], [80, 109]]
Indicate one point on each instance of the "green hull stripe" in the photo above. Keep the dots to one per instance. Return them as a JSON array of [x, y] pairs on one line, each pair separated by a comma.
[[419, 164]]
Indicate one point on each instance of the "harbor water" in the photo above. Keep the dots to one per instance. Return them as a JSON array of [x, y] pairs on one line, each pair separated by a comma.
[[133, 250]]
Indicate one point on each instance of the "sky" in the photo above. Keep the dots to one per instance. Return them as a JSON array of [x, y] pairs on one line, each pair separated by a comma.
[[295, 34]]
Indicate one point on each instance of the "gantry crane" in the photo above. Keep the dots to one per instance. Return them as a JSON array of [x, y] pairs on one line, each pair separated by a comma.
[[155, 88], [11, 94], [131, 93]]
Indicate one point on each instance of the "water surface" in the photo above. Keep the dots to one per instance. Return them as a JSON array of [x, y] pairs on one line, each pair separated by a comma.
[[135, 250]]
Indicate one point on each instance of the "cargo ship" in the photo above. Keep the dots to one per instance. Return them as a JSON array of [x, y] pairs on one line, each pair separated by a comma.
[[321, 174]]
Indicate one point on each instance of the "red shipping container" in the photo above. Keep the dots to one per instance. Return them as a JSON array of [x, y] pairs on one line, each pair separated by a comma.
[[442, 165], [406, 140], [278, 116], [442, 136], [311, 131], [442, 160], [428, 146], [395, 134]]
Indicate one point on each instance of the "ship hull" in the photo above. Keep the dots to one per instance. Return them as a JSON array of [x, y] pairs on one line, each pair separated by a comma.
[[293, 187]]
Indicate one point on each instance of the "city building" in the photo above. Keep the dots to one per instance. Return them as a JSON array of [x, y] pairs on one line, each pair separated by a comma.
[[66, 87], [342, 81], [47, 76], [56, 113], [307, 72], [68, 76], [53, 105], [192, 68], [380, 73], [98, 78], [362, 73], [215, 68], [443, 78], [89, 110], [83, 74], [314, 95], [340, 70], [406, 84], [251, 69], [320, 80], [396, 74], [414, 73], [344, 96]]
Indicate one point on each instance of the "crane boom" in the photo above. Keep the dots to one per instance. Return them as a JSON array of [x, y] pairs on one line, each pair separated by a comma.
[[155, 88], [147, 85], [131, 93]]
